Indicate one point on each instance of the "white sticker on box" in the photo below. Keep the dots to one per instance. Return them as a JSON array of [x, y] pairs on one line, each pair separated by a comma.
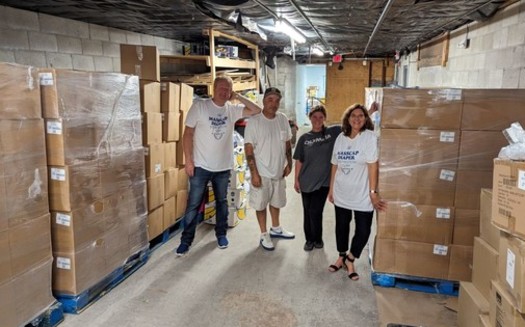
[[440, 249], [46, 79], [447, 137], [63, 219], [447, 175], [54, 127], [511, 266], [163, 86], [158, 168], [58, 174], [521, 179], [443, 213], [453, 94], [63, 263]]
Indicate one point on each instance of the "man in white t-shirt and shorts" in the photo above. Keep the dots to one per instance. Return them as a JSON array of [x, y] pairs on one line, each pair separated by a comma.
[[269, 156], [208, 148]]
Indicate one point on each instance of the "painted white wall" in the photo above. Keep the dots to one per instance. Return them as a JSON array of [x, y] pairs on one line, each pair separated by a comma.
[[494, 59]]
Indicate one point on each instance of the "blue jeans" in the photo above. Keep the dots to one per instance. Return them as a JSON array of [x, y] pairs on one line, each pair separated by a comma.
[[198, 184]]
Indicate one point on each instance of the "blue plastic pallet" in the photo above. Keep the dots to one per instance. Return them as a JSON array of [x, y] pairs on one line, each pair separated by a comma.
[[77, 303], [168, 234], [51, 317], [416, 284]]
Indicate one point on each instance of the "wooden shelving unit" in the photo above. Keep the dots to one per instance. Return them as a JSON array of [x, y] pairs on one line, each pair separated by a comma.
[[198, 70]]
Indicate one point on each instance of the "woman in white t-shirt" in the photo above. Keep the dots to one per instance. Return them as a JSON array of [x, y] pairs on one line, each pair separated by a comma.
[[353, 185]]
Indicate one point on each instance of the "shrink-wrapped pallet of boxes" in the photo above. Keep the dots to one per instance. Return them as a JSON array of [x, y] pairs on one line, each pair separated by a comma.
[[97, 177], [25, 233]]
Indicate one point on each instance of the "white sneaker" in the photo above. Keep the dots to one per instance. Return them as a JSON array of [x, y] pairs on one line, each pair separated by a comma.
[[266, 242], [281, 233]]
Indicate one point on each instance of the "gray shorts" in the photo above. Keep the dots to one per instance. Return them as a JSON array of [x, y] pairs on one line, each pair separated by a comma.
[[272, 192]]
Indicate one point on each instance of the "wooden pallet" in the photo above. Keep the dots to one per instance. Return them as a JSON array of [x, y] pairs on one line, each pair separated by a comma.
[[415, 283], [78, 303]]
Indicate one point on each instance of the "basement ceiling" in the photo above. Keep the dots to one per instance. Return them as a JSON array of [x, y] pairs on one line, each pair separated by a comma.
[[355, 28]]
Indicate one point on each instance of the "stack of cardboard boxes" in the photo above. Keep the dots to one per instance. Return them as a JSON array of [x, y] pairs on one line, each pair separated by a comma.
[[25, 234], [436, 151], [164, 107], [96, 175]]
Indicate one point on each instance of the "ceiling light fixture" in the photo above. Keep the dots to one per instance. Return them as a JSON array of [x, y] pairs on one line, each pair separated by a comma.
[[282, 25], [317, 51]]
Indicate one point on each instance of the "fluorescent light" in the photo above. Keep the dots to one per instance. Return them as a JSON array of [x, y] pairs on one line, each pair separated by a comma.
[[318, 52], [282, 25]]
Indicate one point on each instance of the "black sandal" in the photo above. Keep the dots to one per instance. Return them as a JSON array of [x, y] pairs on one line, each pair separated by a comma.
[[353, 275], [334, 268]]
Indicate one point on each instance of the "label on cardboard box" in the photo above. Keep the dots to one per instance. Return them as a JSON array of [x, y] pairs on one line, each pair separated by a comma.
[[453, 94], [511, 265], [46, 79], [158, 168], [440, 249], [63, 263], [54, 127], [58, 174], [521, 179], [443, 213], [63, 219], [163, 86], [447, 137], [447, 175]]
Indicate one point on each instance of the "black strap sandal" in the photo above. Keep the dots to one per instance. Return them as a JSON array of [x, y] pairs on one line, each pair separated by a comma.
[[353, 275], [334, 268]]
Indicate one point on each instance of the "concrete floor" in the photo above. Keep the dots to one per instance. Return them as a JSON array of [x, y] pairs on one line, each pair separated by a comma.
[[245, 286]]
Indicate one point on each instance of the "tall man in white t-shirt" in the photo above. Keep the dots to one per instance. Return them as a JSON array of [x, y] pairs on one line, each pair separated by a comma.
[[208, 148], [269, 156]]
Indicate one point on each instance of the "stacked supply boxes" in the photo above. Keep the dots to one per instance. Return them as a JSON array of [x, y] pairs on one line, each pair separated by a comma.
[[143, 61], [238, 187], [438, 144], [97, 183], [25, 234]]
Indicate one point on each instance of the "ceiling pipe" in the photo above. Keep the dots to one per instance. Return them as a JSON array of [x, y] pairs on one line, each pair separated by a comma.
[[425, 37], [378, 24]]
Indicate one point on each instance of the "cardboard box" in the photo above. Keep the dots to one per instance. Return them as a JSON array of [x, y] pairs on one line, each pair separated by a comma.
[[6, 271], [182, 200], [470, 305], [468, 187], [484, 266], [477, 149], [155, 192], [484, 320], [503, 312], [140, 60], [466, 227], [154, 159], [186, 97], [405, 147], [171, 177], [421, 108], [170, 153], [492, 110], [170, 207], [182, 180], [23, 171], [19, 92], [418, 223], [155, 222], [487, 231], [170, 126], [152, 128], [48, 92], [511, 268], [419, 185], [233, 218], [181, 159], [508, 200], [460, 265], [170, 97], [182, 125], [149, 96], [411, 258]]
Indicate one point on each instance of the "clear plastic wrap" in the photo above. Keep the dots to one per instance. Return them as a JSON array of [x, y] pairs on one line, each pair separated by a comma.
[[19, 87]]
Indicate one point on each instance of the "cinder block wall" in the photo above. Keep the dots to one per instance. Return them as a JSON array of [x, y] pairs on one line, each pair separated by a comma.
[[284, 78], [42, 40], [494, 59]]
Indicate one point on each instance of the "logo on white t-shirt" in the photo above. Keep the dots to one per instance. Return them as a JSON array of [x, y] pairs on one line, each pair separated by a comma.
[[218, 126]]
